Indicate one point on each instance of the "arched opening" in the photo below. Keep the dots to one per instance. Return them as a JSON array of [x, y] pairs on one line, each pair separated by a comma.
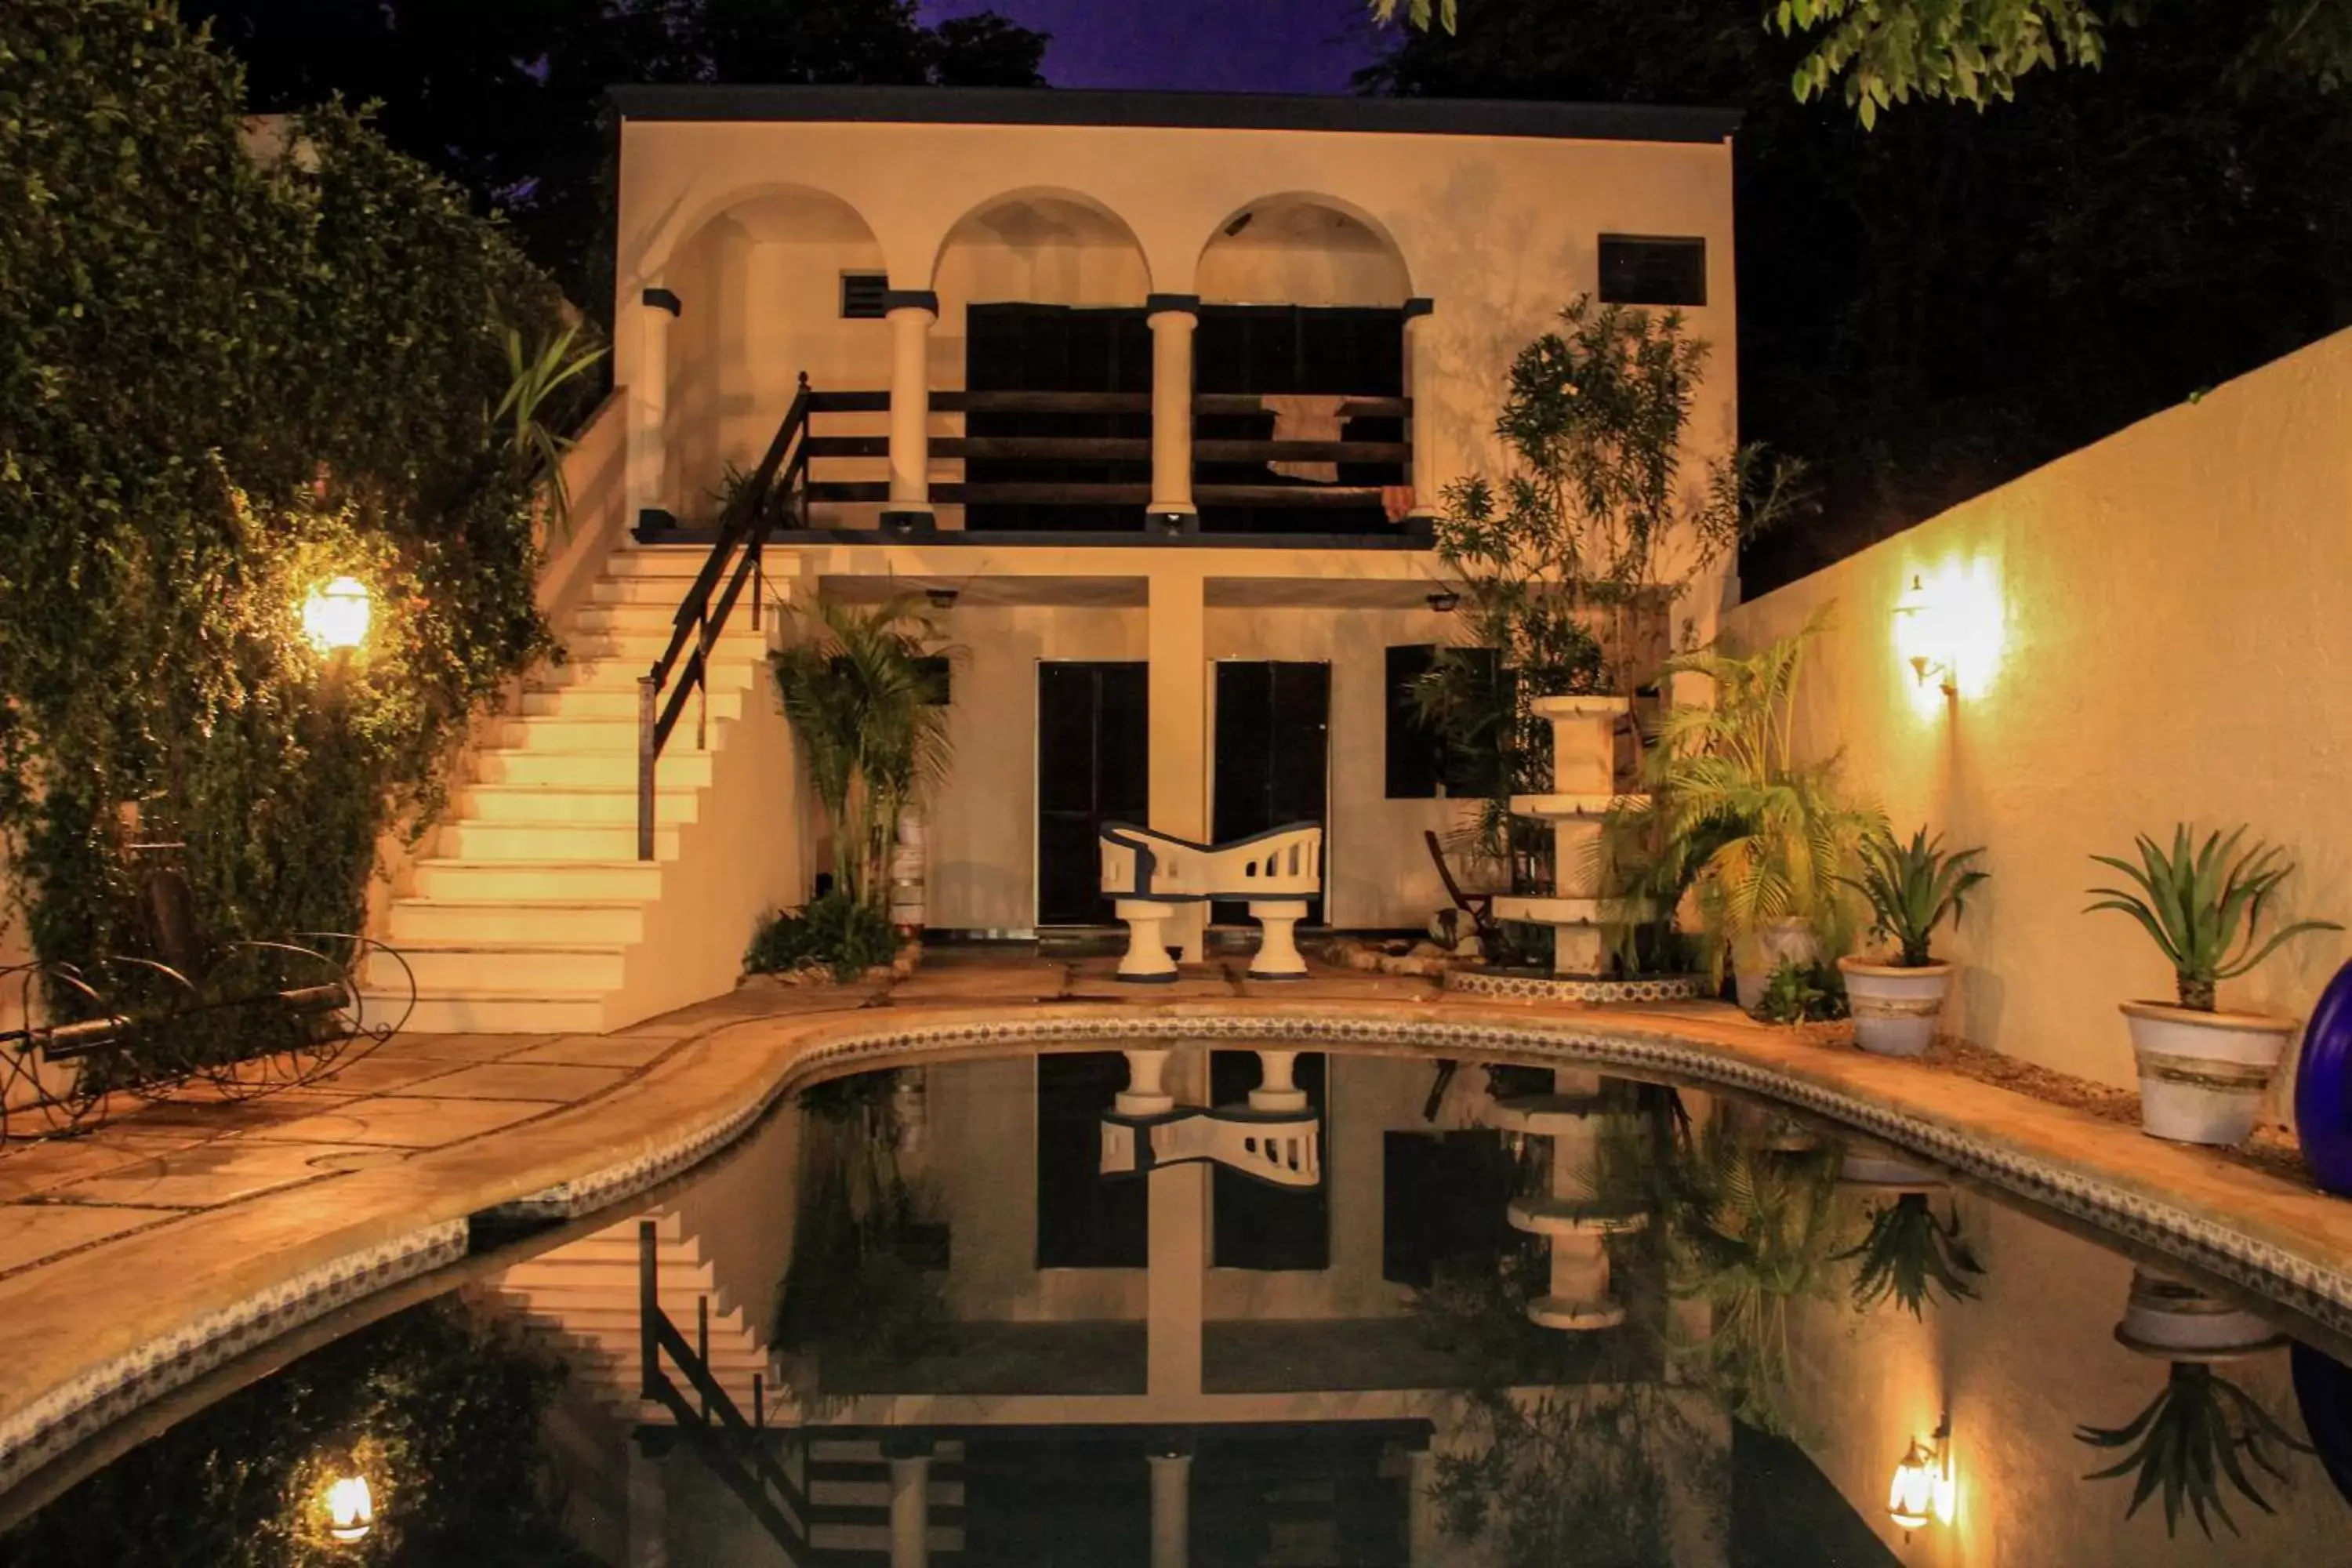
[[1301, 343], [1042, 293], [769, 288]]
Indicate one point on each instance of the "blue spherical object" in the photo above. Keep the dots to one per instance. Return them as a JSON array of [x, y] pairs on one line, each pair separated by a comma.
[[2322, 1088]]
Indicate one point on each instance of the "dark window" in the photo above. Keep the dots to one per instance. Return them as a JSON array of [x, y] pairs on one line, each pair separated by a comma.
[[1093, 766], [1415, 749], [939, 690], [1636, 270], [1271, 758], [861, 296], [1055, 348]]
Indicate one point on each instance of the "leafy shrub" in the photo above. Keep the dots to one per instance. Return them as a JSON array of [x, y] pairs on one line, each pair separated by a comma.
[[839, 930], [229, 370], [1802, 993]]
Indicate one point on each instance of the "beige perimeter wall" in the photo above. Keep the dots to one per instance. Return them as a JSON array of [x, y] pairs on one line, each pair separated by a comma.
[[2150, 630]]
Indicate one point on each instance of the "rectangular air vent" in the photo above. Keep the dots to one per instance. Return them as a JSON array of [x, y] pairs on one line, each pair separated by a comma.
[[861, 295], [1644, 270]]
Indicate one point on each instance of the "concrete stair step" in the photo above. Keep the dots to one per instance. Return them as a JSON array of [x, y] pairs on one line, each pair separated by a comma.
[[599, 881], [615, 700], [546, 733], [616, 674], [453, 921], [658, 612], [595, 1317], [676, 769], [558, 1273], [526, 804], [457, 1012], [546, 841], [506, 966], [639, 560], [641, 647]]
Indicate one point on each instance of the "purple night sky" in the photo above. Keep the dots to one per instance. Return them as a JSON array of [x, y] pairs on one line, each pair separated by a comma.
[[1211, 45]]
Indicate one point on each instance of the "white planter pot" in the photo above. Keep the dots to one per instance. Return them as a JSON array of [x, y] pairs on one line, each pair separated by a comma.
[[2174, 1321], [2203, 1075], [1867, 1162], [1895, 1008], [1754, 958]]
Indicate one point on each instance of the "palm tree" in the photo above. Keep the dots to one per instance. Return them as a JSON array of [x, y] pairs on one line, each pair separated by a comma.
[[859, 692], [1731, 811]]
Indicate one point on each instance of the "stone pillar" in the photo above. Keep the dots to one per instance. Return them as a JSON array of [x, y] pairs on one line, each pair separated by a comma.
[[1176, 1281], [648, 457], [1146, 1093], [1421, 386], [1173, 318], [1178, 647], [1421, 1537], [648, 1501], [1172, 1509], [1276, 1090], [911, 313], [910, 1509]]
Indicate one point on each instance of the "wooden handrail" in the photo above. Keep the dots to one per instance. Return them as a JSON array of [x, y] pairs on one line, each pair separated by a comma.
[[746, 523]]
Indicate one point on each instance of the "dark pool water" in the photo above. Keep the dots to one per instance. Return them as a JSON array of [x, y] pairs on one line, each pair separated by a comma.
[[1369, 1311]]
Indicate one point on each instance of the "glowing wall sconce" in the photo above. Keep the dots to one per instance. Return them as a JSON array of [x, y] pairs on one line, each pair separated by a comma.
[[1918, 638], [1922, 1491], [350, 1509], [335, 617]]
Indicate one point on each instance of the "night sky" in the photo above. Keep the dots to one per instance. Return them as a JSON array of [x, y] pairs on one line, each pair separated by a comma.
[[1208, 46]]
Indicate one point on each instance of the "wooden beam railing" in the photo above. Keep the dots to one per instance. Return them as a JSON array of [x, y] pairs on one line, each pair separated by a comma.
[[734, 1448], [779, 485]]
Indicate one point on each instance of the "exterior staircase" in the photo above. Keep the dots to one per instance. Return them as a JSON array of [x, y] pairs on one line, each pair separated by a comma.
[[530, 913]]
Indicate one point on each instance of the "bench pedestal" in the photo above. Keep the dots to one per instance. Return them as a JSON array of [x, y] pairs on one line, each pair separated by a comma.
[[1146, 959], [1277, 946]]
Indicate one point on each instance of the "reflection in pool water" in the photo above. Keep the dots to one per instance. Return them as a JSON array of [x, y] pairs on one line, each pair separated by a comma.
[[1467, 1314]]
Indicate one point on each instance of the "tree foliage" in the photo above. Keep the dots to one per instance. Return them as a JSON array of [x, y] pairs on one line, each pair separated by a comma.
[[1937, 306], [229, 370], [440, 1413], [508, 99]]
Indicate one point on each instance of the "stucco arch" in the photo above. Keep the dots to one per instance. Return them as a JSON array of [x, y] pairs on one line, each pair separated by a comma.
[[686, 224], [1302, 248], [1072, 247]]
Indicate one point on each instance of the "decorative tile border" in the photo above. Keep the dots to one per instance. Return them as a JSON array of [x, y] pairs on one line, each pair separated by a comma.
[[1568, 988], [107, 1392]]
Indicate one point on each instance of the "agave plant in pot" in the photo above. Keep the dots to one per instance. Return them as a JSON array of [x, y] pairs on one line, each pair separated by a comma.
[[2203, 1072], [1912, 888]]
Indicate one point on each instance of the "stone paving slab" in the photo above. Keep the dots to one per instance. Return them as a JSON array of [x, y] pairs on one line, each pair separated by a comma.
[[85, 1281]]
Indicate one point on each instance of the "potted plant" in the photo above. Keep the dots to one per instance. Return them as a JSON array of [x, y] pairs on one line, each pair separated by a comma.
[[1755, 838], [1912, 888], [2203, 1072]]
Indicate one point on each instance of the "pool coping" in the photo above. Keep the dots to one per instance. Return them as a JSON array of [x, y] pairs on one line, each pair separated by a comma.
[[106, 1329]]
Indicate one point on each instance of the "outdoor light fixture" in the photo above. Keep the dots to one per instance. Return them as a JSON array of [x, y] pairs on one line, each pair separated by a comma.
[[941, 599], [1922, 1490], [351, 1509], [1919, 636], [1443, 600], [335, 617]]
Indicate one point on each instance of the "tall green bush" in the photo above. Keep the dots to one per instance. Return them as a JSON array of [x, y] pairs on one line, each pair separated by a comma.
[[235, 361]]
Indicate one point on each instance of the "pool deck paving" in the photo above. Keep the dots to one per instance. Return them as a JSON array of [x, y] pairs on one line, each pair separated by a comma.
[[173, 1218]]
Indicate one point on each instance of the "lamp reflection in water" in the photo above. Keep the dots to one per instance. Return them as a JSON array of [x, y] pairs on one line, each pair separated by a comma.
[[350, 1509], [1923, 1491], [335, 617]]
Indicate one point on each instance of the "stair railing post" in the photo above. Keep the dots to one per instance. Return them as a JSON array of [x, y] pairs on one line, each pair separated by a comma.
[[647, 748], [702, 676], [702, 1349], [649, 1309]]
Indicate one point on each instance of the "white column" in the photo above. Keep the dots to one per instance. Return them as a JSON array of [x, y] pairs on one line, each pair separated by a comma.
[[910, 1511], [648, 1502], [1421, 1542], [911, 315], [1171, 1509], [1177, 643], [1175, 1283], [1421, 386], [648, 458], [1173, 317]]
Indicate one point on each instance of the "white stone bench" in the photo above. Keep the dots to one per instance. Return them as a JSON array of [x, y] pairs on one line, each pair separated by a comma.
[[1148, 876]]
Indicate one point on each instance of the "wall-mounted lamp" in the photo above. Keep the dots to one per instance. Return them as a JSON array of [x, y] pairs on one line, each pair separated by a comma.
[[1443, 600], [350, 1509], [335, 617], [1919, 638], [943, 599], [1922, 1491]]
